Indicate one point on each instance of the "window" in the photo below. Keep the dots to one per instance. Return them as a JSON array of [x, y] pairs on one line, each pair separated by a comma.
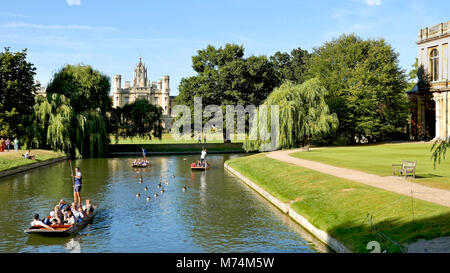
[[434, 65]]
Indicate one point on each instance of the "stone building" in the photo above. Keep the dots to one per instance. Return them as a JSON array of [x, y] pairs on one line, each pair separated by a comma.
[[430, 112], [157, 93]]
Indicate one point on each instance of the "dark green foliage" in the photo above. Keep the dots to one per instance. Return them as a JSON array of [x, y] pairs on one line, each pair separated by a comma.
[[224, 77], [291, 67], [17, 90], [141, 118]]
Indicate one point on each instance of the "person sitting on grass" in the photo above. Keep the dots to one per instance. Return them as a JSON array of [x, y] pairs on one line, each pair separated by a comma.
[[37, 222], [28, 155]]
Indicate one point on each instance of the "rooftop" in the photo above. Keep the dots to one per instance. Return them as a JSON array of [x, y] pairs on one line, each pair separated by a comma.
[[434, 32]]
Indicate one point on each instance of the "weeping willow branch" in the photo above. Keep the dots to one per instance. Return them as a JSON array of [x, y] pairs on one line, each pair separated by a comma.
[[438, 151]]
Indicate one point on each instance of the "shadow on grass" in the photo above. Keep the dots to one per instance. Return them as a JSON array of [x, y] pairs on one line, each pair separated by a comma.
[[428, 175], [357, 235]]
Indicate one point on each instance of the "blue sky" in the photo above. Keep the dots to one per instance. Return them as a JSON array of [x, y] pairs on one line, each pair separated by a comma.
[[110, 35]]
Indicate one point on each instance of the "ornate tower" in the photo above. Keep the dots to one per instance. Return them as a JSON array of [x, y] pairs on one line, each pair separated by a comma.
[[140, 75]]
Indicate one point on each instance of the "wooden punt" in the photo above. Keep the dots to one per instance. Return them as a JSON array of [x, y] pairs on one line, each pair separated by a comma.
[[61, 230], [200, 168], [141, 165]]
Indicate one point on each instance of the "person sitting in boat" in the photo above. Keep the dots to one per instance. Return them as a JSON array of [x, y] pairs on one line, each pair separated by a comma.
[[198, 163], [88, 208], [62, 205], [57, 215], [81, 213], [37, 222], [193, 164]]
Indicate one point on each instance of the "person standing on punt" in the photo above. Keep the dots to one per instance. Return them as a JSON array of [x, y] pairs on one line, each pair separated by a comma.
[[203, 157], [77, 187]]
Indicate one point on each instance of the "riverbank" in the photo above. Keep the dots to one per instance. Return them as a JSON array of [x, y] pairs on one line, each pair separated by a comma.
[[342, 208], [13, 162], [173, 149]]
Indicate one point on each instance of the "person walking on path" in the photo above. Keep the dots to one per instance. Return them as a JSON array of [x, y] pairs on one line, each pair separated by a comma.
[[77, 186], [16, 144], [8, 142], [2, 145]]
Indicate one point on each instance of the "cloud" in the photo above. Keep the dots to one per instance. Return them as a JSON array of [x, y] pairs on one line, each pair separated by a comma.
[[373, 2], [38, 26], [73, 2]]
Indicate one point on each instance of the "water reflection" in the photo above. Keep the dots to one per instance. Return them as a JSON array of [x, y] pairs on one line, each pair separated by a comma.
[[217, 212]]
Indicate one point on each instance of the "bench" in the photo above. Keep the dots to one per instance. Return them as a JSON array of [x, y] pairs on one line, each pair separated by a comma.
[[407, 167]]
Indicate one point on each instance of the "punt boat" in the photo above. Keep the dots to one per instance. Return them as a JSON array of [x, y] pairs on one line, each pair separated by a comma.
[[62, 230]]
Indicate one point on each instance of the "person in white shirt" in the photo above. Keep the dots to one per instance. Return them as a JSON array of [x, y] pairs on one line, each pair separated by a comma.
[[203, 157], [71, 219], [37, 222]]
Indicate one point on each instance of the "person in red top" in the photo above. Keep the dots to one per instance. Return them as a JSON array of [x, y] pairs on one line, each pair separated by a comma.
[[193, 164]]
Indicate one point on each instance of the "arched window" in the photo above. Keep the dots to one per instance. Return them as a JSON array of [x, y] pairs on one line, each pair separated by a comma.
[[434, 65]]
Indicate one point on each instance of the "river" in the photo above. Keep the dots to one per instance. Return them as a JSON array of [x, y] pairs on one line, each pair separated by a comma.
[[217, 212]]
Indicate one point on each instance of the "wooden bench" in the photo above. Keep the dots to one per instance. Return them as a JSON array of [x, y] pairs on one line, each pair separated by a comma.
[[407, 167]]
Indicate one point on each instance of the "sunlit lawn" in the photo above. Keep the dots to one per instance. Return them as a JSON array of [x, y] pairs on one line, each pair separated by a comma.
[[13, 159], [378, 159], [340, 207], [171, 139]]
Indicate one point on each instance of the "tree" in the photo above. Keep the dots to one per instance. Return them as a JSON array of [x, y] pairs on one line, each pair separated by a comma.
[[293, 66], [365, 86], [303, 114], [73, 116], [59, 127], [17, 91], [224, 76], [142, 118]]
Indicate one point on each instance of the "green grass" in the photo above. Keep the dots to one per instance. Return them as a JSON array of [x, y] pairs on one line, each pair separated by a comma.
[[13, 159], [378, 159], [169, 139], [340, 206]]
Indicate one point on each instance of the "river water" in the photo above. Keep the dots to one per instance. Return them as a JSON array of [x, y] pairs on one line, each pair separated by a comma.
[[217, 212]]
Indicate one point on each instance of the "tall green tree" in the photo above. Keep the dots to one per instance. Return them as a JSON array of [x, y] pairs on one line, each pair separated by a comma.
[[303, 114], [225, 76], [365, 86], [142, 118], [73, 116], [17, 91], [293, 66]]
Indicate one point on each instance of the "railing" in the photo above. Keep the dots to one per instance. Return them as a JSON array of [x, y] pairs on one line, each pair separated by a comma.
[[434, 31]]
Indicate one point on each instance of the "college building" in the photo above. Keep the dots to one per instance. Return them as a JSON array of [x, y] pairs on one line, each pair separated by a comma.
[[157, 93], [430, 102]]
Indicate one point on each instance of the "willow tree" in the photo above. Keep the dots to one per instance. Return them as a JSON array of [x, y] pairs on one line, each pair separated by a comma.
[[57, 126], [303, 114], [73, 116]]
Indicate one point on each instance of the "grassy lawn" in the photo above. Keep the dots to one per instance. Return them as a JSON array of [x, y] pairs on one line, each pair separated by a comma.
[[13, 159], [169, 139], [340, 206], [378, 159]]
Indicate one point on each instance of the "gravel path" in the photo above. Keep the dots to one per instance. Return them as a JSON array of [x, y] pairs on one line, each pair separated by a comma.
[[394, 184]]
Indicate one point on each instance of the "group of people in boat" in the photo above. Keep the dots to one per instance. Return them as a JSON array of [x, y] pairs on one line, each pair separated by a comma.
[[202, 162], [63, 214], [140, 162]]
